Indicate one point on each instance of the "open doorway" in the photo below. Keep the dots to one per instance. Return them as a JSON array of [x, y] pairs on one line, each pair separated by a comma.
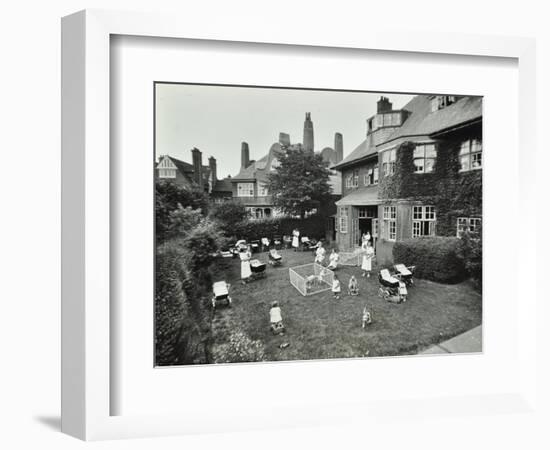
[[367, 217]]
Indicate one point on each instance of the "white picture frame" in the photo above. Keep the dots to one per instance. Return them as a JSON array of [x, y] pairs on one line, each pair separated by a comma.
[[86, 284]]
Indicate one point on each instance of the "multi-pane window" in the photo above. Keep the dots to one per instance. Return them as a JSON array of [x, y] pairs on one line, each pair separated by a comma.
[[470, 224], [371, 177], [367, 213], [343, 219], [262, 190], [470, 155], [424, 158], [441, 101], [390, 222], [355, 178], [388, 120], [424, 221], [245, 190], [388, 162], [167, 173]]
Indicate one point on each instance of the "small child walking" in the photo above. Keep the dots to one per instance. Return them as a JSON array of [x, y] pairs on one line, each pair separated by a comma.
[[367, 318], [336, 288]]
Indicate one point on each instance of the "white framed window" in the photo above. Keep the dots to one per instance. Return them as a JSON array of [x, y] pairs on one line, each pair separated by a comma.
[[245, 190], [423, 221], [390, 222], [263, 190], [424, 158], [371, 177], [366, 213], [167, 173], [471, 224], [343, 220], [470, 155], [388, 162], [375, 175]]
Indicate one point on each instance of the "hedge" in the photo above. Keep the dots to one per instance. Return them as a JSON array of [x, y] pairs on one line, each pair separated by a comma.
[[436, 258], [313, 227]]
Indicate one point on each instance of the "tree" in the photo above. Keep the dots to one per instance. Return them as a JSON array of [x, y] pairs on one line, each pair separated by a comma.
[[168, 196], [228, 215], [182, 221], [300, 182]]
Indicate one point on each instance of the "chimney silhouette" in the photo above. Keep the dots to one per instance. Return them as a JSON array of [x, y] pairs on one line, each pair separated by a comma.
[[383, 105], [308, 133], [213, 169], [245, 155], [197, 166], [339, 147]]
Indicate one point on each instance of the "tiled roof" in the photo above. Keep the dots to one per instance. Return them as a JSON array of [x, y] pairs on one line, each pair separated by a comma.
[[363, 150], [187, 169], [259, 169], [361, 197], [422, 121]]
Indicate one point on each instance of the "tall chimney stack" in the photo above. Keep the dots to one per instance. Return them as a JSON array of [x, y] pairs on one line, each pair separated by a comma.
[[308, 133], [339, 147], [213, 169], [197, 166], [383, 105], [245, 155]]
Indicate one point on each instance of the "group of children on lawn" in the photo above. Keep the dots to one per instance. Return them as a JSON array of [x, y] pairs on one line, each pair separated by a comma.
[[366, 265], [276, 319]]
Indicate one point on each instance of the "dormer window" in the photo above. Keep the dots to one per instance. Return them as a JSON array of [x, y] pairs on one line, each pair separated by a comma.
[[441, 101]]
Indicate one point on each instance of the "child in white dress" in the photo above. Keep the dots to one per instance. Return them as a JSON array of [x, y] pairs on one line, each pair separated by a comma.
[[368, 255]]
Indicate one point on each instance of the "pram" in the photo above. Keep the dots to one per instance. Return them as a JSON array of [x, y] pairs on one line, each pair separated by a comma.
[[221, 293], [404, 273], [257, 270], [274, 258], [309, 244], [391, 288]]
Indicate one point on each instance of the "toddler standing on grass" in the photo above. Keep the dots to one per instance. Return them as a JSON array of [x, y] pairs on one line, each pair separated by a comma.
[[336, 289]]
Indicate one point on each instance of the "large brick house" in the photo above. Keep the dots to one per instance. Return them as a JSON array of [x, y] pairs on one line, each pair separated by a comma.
[[188, 175], [417, 173], [250, 184]]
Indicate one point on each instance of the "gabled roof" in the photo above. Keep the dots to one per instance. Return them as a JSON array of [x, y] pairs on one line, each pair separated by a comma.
[[259, 169], [187, 169], [422, 121]]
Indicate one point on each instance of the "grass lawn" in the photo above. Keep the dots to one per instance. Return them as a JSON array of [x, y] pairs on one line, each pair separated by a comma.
[[319, 327]]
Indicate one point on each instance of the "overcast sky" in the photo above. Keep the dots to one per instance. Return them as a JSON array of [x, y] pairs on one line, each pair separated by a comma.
[[216, 119]]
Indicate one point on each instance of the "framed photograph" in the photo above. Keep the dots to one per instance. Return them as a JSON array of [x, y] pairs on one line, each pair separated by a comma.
[[258, 229]]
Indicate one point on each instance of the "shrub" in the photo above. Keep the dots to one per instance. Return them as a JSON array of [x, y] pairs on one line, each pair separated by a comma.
[[435, 258], [470, 250], [182, 221], [313, 227], [180, 334], [168, 196], [240, 348]]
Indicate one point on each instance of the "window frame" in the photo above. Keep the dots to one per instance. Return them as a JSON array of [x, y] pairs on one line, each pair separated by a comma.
[[423, 215], [388, 167], [477, 221], [424, 158], [470, 154], [240, 189], [389, 215], [343, 220]]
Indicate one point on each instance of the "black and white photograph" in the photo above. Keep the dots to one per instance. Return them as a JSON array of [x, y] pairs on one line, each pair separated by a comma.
[[304, 224]]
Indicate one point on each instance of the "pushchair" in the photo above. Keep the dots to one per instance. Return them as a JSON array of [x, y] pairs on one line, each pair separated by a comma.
[[275, 259], [309, 244], [257, 270], [391, 288], [221, 294], [404, 273]]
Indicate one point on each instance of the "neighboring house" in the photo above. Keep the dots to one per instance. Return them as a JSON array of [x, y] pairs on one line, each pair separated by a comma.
[[187, 175], [250, 184], [418, 173]]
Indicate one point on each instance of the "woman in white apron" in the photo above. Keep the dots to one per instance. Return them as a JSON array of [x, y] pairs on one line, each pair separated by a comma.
[[295, 239], [245, 264], [333, 260], [366, 265]]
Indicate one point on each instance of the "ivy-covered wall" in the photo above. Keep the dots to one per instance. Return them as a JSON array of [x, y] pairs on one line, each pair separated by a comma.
[[453, 193]]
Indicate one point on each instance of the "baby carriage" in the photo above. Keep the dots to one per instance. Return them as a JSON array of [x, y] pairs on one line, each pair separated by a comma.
[[257, 270], [309, 244], [404, 273], [391, 288], [221, 294], [275, 259]]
